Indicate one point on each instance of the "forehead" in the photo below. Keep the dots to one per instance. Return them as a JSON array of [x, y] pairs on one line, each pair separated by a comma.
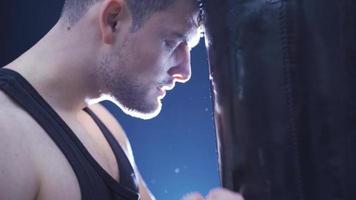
[[182, 16], [186, 11]]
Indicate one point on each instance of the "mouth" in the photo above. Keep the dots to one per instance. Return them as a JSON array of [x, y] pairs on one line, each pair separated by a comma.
[[162, 89], [162, 92], [168, 86]]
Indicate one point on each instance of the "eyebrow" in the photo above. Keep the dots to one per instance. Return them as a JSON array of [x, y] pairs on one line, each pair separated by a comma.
[[178, 35], [198, 22]]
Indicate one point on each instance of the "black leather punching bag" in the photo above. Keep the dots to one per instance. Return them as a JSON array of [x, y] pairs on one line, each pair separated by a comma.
[[284, 80]]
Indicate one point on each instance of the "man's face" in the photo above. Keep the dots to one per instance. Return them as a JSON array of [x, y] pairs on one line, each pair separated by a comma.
[[138, 71]]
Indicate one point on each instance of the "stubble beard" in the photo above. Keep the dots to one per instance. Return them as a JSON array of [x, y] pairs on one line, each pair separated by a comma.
[[123, 88]]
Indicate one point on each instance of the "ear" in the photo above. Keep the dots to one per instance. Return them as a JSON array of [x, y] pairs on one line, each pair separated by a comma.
[[112, 15]]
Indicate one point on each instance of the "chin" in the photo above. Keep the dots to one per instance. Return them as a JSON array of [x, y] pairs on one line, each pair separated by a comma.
[[149, 111], [145, 115]]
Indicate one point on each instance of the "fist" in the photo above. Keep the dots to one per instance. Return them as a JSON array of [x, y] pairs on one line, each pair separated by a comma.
[[215, 194]]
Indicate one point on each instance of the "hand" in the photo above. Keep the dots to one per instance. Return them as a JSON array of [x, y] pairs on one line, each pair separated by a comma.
[[215, 194]]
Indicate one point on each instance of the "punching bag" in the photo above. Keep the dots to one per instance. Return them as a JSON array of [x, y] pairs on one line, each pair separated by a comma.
[[284, 79]]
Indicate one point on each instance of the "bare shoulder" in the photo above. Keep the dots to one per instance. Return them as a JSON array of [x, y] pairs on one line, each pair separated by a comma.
[[113, 125], [18, 178]]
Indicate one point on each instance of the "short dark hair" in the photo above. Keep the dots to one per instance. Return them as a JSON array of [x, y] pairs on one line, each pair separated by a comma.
[[74, 10]]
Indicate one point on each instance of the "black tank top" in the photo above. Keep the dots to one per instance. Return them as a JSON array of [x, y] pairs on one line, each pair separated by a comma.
[[95, 183]]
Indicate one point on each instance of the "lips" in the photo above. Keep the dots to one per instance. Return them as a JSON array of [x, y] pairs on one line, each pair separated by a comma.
[[168, 87], [164, 87], [161, 91]]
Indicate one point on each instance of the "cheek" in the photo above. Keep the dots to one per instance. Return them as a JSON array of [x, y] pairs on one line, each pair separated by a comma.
[[144, 60], [152, 55], [151, 62]]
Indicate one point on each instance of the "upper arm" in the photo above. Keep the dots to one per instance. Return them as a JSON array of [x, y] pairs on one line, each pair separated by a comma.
[[18, 179], [120, 135]]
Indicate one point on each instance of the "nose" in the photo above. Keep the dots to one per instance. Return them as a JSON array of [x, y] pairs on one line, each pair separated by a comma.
[[181, 71]]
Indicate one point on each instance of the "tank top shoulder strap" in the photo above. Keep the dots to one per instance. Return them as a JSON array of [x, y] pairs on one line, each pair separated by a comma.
[[127, 175], [95, 183], [16, 87]]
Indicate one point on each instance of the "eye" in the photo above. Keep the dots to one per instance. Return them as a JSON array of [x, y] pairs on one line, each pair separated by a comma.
[[170, 44]]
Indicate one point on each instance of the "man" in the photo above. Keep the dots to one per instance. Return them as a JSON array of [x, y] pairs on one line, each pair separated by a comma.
[[55, 143]]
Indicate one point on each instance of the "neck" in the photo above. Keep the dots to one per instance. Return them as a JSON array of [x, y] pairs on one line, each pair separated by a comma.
[[58, 68]]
